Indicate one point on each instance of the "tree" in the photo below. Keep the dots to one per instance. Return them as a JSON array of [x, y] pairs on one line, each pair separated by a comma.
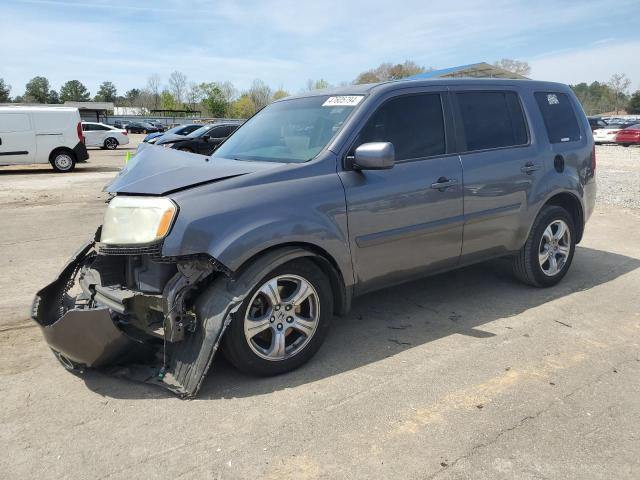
[[317, 84], [194, 95], [280, 93], [514, 66], [228, 91], [178, 85], [4, 91], [619, 84], [168, 101], [634, 103], [74, 91], [132, 96], [388, 71], [53, 97], [153, 87], [595, 98], [214, 100], [243, 107], [36, 90], [106, 93], [259, 94]]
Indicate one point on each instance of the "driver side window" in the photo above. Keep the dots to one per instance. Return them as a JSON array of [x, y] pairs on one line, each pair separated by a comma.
[[413, 123]]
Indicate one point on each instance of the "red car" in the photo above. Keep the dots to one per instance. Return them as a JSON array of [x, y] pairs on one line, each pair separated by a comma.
[[629, 136]]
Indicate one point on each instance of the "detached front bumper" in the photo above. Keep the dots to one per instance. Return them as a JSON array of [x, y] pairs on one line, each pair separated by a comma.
[[91, 329]]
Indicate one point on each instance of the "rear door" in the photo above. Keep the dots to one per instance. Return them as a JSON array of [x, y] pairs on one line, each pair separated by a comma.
[[91, 134], [17, 138], [407, 220], [501, 166]]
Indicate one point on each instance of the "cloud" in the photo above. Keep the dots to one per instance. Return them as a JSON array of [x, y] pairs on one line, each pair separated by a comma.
[[589, 64], [285, 42]]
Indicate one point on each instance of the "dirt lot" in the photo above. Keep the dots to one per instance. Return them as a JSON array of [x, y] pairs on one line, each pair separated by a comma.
[[464, 375]]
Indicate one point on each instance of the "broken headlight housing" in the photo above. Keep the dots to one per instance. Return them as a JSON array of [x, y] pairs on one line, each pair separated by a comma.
[[134, 220]]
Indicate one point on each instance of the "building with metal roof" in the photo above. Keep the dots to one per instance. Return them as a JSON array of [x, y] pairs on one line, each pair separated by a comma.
[[473, 70]]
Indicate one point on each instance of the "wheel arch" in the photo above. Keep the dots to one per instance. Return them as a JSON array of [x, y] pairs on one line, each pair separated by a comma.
[[319, 256], [57, 150], [571, 203]]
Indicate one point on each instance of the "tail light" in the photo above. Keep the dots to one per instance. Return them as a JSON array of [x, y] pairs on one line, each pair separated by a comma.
[[124, 133], [80, 134], [593, 159]]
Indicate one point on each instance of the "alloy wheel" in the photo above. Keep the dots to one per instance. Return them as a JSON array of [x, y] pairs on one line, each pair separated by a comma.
[[555, 246], [282, 317]]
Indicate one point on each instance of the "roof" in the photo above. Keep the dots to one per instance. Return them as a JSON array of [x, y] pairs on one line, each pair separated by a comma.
[[367, 88], [473, 70], [37, 108], [90, 105]]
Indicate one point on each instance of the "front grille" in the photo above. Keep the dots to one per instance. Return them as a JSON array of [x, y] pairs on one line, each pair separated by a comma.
[[154, 250]]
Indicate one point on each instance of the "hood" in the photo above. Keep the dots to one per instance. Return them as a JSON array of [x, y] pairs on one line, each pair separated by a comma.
[[169, 137], [158, 171]]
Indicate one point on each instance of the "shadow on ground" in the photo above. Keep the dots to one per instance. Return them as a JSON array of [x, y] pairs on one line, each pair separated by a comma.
[[390, 321]]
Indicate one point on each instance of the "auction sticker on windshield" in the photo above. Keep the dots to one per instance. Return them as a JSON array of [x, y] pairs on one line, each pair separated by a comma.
[[343, 101]]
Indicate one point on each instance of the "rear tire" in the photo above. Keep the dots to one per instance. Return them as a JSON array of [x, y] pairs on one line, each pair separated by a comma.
[[546, 256], [111, 143], [63, 161], [282, 316], [625, 144]]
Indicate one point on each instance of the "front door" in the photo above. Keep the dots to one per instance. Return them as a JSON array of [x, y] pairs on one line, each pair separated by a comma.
[[407, 220]]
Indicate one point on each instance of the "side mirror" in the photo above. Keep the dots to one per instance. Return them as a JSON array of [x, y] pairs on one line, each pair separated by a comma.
[[374, 156], [205, 138]]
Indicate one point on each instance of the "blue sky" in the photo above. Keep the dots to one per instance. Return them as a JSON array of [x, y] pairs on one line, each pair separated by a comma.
[[286, 42]]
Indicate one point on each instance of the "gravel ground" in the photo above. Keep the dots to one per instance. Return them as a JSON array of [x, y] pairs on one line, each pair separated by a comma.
[[618, 174]]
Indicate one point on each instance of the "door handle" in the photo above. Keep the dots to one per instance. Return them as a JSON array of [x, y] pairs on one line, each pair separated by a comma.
[[444, 183], [529, 168]]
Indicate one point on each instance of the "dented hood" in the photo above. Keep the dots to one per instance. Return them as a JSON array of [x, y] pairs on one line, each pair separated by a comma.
[[157, 170]]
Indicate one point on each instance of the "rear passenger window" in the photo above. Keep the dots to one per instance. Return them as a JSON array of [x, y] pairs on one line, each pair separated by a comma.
[[413, 123], [559, 117], [492, 120]]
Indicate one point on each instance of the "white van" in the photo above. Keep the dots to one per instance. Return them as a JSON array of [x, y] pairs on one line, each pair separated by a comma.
[[41, 135]]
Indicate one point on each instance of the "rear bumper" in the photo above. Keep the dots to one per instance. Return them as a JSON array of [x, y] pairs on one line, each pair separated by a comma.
[[81, 152]]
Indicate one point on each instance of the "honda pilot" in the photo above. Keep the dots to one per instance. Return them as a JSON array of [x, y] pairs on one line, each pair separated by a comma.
[[313, 201]]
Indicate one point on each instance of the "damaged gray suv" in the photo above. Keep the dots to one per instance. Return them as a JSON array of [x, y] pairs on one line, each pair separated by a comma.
[[314, 200]]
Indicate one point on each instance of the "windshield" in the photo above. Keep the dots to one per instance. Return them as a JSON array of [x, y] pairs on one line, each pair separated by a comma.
[[201, 131], [291, 131], [176, 129]]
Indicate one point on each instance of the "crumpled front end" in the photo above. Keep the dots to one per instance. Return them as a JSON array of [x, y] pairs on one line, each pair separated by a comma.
[[132, 312]]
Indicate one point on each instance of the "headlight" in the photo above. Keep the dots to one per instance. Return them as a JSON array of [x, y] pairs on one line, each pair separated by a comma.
[[136, 220]]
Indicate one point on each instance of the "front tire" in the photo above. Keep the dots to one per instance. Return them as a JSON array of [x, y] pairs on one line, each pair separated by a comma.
[[111, 143], [546, 256], [63, 161], [282, 322]]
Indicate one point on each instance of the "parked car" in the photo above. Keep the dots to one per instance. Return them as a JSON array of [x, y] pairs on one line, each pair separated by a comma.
[[315, 200], [121, 124], [41, 135], [204, 140], [596, 122], [141, 127], [629, 136], [180, 130], [608, 133], [103, 136], [159, 125]]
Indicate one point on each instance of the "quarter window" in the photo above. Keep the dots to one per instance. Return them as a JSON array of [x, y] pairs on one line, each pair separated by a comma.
[[492, 120], [559, 117], [414, 124]]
